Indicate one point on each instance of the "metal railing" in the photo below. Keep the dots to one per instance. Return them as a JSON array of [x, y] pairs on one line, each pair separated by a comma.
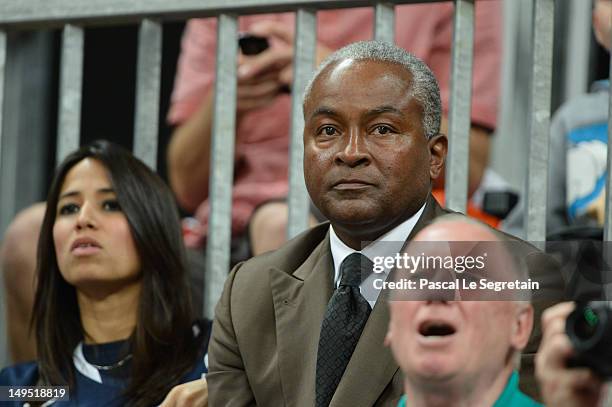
[[73, 15]]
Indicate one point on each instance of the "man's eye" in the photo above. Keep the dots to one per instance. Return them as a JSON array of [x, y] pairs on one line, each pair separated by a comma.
[[111, 205], [328, 131], [68, 209], [383, 129]]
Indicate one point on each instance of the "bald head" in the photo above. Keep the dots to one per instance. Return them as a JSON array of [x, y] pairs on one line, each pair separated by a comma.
[[602, 22], [464, 259], [439, 342], [455, 228]]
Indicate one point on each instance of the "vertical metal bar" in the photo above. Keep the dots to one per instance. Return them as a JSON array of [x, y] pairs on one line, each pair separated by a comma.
[[2, 76], [539, 123], [222, 163], [577, 49], [25, 133], [303, 67], [510, 144], [4, 351], [71, 79], [3, 317], [384, 27], [148, 79], [608, 220], [460, 106]]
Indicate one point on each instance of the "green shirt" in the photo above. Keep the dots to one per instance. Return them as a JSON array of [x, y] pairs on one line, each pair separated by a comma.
[[510, 397]]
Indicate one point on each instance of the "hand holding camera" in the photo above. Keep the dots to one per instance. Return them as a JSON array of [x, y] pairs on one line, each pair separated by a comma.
[[561, 362], [589, 327], [265, 64]]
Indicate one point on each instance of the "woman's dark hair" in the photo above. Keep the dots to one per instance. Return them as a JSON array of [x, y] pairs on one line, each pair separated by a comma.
[[162, 343]]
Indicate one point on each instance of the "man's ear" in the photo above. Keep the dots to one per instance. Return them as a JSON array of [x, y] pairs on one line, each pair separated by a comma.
[[438, 146], [388, 338], [601, 25], [522, 326]]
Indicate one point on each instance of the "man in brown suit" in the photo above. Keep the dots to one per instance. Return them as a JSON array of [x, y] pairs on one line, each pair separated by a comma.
[[371, 151]]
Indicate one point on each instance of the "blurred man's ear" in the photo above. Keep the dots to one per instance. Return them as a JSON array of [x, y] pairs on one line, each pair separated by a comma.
[[387, 341], [389, 335], [602, 14], [522, 326], [438, 146]]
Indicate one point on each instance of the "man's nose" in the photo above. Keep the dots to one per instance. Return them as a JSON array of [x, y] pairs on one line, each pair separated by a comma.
[[86, 217], [354, 151]]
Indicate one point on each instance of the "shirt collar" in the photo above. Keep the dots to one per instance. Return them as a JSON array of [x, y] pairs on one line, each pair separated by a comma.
[[511, 396], [397, 235]]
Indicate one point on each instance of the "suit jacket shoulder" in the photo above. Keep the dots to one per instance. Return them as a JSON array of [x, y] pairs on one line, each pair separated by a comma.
[[271, 306]]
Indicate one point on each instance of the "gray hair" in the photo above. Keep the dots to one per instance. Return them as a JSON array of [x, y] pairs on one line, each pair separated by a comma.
[[424, 87]]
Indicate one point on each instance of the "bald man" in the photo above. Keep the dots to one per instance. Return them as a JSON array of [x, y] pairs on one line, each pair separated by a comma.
[[460, 353]]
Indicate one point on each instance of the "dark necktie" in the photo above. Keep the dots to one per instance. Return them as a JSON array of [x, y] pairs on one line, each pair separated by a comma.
[[346, 315]]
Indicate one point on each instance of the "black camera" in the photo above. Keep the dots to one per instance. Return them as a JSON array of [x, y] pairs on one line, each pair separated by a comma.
[[589, 328], [251, 44]]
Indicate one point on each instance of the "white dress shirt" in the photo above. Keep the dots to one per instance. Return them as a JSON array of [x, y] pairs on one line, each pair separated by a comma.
[[388, 244]]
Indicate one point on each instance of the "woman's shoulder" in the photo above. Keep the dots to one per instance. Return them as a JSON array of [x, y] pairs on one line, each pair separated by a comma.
[[21, 374]]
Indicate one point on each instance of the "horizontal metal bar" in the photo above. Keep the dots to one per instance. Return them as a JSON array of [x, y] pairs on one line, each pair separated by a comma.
[[303, 66], [148, 80], [222, 163], [384, 24], [459, 122], [57, 12], [539, 122], [71, 81]]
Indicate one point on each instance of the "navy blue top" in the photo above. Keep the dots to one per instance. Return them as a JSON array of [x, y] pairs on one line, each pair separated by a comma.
[[95, 387]]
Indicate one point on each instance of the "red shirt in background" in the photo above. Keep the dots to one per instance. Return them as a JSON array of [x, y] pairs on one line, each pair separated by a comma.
[[262, 139]]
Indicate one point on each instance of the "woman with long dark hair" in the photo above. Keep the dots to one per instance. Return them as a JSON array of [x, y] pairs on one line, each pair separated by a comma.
[[112, 314]]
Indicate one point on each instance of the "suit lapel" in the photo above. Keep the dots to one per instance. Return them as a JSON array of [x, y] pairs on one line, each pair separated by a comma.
[[300, 300], [372, 367]]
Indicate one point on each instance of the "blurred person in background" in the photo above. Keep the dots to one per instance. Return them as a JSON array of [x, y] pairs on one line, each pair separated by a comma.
[[578, 151], [579, 134]]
